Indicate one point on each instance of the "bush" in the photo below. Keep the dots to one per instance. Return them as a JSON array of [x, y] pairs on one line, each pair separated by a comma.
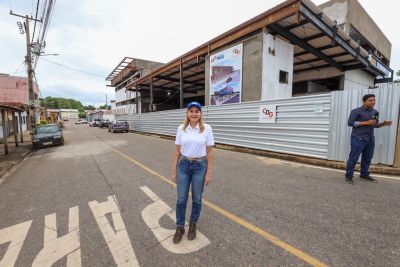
[[44, 122]]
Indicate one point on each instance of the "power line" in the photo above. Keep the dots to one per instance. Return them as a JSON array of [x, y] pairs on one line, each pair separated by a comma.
[[19, 67], [43, 33], [34, 27], [70, 68]]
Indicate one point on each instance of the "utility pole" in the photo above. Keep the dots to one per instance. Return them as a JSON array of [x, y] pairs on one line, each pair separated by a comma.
[[31, 113], [32, 108]]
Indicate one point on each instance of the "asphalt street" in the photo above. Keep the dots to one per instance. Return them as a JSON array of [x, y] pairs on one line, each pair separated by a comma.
[[105, 199]]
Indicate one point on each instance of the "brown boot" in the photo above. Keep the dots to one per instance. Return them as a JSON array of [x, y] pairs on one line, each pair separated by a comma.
[[178, 234], [192, 231]]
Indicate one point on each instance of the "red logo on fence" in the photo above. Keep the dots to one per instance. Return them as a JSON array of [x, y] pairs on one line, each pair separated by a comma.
[[268, 113]]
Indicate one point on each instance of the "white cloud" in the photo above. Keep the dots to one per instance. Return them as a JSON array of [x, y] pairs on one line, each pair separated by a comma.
[[95, 35]]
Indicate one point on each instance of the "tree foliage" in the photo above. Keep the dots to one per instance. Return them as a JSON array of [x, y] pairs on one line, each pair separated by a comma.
[[64, 103], [90, 107], [398, 77]]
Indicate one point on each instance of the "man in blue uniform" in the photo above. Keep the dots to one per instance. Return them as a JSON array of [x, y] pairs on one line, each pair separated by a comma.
[[363, 120]]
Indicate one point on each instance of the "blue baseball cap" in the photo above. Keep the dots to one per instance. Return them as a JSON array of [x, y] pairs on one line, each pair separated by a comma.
[[194, 104]]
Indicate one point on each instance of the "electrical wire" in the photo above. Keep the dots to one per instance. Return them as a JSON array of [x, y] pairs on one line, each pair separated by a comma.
[[18, 69], [43, 33], [34, 27], [74, 69]]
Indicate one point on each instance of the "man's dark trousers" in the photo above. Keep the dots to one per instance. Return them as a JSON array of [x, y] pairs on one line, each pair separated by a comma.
[[360, 146]]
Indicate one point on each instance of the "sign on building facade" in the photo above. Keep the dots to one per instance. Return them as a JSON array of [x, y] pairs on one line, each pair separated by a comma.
[[226, 76], [267, 114]]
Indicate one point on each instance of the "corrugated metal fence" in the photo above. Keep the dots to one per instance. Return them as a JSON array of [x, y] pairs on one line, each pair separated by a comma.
[[314, 126], [299, 128], [342, 102]]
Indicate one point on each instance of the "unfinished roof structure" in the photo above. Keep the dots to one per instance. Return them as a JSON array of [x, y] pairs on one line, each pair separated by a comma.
[[318, 43]]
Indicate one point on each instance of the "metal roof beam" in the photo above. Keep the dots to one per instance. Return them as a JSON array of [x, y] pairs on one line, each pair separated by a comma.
[[185, 68], [296, 40], [318, 59], [328, 65], [293, 26], [313, 37], [319, 48], [332, 33]]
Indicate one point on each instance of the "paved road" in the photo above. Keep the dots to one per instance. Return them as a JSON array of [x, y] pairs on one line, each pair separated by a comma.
[[103, 199]]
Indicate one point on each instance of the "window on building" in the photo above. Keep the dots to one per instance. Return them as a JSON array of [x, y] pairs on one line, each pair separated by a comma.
[[283, 77], [317, 86]]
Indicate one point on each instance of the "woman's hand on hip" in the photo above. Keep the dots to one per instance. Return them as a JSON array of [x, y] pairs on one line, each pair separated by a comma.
[[208, 178], [174, 176]]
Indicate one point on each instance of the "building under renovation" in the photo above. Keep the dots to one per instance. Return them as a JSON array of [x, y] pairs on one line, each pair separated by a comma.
[[307, 64], [127, 71]]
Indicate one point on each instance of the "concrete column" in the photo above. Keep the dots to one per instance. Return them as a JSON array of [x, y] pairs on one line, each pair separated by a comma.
[[151, 94], [397, 148], [20, 126], [180, 85], [15, 127], [3, 120], [137, 101]]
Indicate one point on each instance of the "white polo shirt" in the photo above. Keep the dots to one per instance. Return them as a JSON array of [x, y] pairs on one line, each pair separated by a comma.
[[193, 143]]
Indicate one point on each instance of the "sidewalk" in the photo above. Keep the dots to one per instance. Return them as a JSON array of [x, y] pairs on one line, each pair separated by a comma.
[[15, 154], [375, 168]]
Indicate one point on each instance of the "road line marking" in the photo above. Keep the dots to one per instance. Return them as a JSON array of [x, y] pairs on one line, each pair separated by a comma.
[[67, 245], [298, 253], [116, 237], [327, 169], [16, 234], [152, 215]]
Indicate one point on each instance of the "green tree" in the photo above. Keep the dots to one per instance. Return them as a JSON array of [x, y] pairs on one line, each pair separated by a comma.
[[90, 107], [59, 102], [103, 106], [398, 77]]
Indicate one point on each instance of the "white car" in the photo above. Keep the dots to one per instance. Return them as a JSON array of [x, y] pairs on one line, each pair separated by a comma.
[[80, 121], [94, 123]]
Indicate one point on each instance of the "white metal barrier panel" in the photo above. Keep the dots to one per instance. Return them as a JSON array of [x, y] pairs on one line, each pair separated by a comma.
[[313, 126], [387, 103]]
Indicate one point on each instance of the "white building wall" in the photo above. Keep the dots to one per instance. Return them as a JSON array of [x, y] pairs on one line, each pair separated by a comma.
[[277, 55], [109, 117], [358, 79], [24, 122], [123, 94], [69, 113]]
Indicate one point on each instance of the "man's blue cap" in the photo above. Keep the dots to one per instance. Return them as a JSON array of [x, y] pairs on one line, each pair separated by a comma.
[[194, 104]]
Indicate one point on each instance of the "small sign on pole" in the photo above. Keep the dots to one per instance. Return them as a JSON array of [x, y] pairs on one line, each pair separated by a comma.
[[267, 114], [34, 103]]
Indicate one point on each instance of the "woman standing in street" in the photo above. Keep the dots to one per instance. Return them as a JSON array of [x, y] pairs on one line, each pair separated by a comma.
[[192, 165]]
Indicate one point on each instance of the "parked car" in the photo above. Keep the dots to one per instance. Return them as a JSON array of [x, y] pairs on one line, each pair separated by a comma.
[[80, 121], [118, 126], [94, 123], [104, 123], [47, 135]]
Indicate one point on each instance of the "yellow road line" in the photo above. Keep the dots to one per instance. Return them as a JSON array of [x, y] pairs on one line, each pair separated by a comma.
[[298, 253]]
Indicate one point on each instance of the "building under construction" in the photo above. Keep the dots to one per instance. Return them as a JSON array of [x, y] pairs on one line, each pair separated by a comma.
[[308, 65]]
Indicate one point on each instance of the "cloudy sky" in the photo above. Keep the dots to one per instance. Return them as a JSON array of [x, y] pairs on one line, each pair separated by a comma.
[[93, 36]]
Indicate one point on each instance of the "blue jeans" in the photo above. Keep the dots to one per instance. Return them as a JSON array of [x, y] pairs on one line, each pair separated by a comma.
[[360, 146], [190, 172]]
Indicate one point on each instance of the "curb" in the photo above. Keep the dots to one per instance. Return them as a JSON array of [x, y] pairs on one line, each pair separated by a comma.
[[375, 168], [16, 166]]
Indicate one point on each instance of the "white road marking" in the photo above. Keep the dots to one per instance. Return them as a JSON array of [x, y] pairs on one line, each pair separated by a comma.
[[117, 239], [56, 248], [326, 168], [152, 215], [16, 234]]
